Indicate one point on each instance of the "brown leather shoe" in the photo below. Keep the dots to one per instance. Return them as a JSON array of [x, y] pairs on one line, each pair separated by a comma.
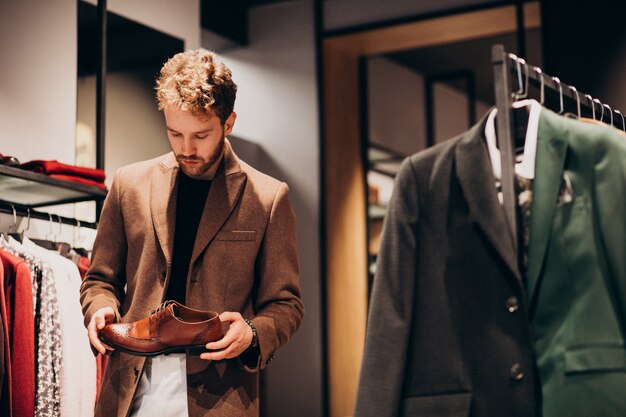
[[170, 328]]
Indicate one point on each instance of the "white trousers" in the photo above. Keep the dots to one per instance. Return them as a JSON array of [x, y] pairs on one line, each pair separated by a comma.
[[162, 390]]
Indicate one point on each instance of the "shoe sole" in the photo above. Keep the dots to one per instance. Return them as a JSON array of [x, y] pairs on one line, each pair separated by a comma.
[[191, 349]]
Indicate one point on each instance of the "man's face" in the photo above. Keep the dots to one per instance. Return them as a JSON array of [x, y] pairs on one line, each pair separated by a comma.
[[197, 142]]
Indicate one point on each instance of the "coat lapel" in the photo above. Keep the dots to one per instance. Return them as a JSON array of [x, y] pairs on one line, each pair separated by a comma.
[[223, 195], [479, 189], [163, 203], [550, 160]]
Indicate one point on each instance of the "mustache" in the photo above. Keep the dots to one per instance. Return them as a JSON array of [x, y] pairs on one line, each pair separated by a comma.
[[180, 158]]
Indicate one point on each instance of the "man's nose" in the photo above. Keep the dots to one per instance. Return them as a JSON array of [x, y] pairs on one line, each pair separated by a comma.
[[188, 148]]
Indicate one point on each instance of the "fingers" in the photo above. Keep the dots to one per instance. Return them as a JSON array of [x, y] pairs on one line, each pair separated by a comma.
[[93, 338], [230, 316], [100, 319], [235, 341]]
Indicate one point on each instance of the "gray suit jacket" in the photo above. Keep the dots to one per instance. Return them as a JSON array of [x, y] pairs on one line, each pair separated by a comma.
[[447, 331]]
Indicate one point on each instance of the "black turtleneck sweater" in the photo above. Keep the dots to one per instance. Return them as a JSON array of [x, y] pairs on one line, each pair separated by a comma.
[[190, 201]]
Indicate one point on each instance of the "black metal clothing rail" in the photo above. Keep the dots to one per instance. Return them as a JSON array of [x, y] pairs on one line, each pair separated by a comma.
[[512, 78], [23, 211]]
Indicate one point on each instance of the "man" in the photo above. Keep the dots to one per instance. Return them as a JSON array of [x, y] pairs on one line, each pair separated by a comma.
[[201, 227]]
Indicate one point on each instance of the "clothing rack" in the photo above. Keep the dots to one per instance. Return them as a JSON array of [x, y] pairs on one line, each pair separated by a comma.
[[24, 211], [512, 78]]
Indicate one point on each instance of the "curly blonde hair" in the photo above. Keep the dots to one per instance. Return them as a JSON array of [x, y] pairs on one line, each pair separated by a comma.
[[197, 82]]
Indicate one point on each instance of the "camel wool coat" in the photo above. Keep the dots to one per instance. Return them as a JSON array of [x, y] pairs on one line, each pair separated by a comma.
[[244, 260]]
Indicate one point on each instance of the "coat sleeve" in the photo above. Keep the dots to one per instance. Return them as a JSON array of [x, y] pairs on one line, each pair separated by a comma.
[[610, 196], [104, 282], [391, 303], [278, 305]]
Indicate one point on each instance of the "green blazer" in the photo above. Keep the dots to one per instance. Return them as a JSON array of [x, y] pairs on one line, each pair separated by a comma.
[[577, 268]]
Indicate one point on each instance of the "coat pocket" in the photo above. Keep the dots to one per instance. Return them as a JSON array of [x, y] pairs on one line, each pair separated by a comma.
[[236, 235], [449, 405], [595, 359]]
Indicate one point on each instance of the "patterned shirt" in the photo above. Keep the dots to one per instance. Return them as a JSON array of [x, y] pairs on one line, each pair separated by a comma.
[[47, 333]]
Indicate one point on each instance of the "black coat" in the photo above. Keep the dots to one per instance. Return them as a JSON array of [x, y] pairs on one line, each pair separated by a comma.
[[447, 331]]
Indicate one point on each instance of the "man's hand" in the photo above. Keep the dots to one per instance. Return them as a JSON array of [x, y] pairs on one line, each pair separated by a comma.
[[100, 319], [235, 341]]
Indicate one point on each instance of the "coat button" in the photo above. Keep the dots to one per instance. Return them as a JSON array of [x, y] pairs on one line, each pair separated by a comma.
[[516, 372], [512, 305]]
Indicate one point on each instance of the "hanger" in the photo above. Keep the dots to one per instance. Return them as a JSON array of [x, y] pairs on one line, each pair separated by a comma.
[[19, 236], [577, 101], [46, 243], [593, 107], [2, 234], [623, 120], [542, 91], [556, 80], [63, 248], [595, 100], [610, 112], [526, 115]]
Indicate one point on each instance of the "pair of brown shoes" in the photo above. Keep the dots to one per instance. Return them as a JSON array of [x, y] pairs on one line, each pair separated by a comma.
[[170, 328]]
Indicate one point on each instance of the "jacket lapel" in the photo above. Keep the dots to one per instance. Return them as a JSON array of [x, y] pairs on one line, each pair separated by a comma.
[[163, 203], [550, 159], [223, 195], [479, 189]]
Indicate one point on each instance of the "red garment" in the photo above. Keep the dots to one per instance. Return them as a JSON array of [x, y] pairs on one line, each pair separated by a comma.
[[80, 180], [6, 401], [83, 266], [101, 364], [56, 167], [21, 331]]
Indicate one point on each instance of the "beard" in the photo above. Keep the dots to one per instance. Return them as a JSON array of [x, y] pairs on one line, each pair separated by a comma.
[[204, 164]]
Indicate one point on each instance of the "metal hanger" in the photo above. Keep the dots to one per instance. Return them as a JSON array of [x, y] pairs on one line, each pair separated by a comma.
[[523, 85], [542, 88], [14, 219], [51, 234], [556, 80], [610, 112], [577, 99], [19, 236], [595, 100], [77, 233], [519, 92], [623, 120], [593, 107]]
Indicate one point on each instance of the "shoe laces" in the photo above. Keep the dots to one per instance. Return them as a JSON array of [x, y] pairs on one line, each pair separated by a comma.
[[158, 312]]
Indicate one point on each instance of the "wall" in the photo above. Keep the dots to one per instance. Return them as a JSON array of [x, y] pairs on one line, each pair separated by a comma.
[[588, 48], [38, 87], [38, 79], [277, 127]]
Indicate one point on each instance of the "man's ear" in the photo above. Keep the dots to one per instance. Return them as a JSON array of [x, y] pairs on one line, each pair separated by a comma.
[[229, 123]]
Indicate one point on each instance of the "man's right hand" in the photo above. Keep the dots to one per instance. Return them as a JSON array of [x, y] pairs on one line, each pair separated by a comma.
[[100, 319]]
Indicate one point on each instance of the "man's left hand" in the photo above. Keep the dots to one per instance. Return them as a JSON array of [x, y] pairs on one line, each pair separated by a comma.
[[235, 341]]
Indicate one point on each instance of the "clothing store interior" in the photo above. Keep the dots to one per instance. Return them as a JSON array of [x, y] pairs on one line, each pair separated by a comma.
[[457, 170]]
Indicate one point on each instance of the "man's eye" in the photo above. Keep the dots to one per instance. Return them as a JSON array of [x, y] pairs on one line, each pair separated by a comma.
[[175, 134], [202, 136]]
